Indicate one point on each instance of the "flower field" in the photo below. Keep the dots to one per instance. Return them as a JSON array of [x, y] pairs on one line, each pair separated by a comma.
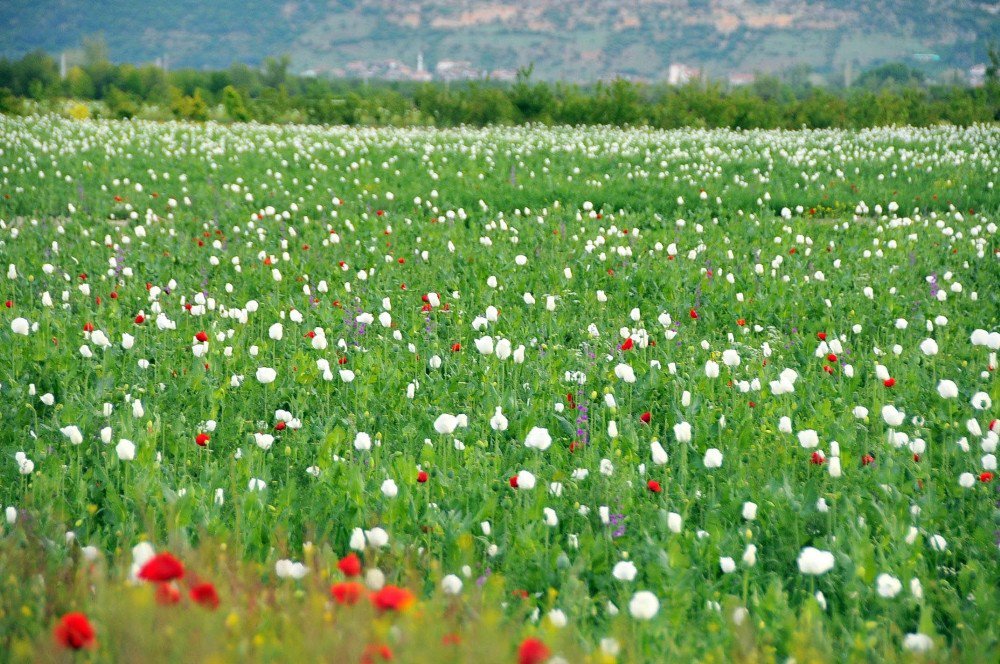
[[501, 395]]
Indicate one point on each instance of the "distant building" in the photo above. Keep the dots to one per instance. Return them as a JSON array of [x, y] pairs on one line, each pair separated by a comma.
[[504, 75], [456, 70], [386, 70], [977, 75], [680, 74], [421, 74], [737, 79]]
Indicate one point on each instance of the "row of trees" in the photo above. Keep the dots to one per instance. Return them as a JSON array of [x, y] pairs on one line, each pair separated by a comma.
[[892, 94]]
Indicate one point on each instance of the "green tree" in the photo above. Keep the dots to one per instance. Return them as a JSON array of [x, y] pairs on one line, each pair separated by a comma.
[[532, 101], [276, 71], [236, 108], [10, 104], [79, 85], [120, 104], [992, 82], [894, 75], [188, 107], [97, 65], [36, 75]]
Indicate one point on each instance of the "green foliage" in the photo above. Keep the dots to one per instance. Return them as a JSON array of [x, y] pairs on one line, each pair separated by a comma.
[[120, 104], [892, 75], [79, 84], [188, 107], [892, 94], [10, 104], [235, 107]]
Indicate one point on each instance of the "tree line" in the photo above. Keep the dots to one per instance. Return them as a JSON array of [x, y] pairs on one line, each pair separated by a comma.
[[886, 95]]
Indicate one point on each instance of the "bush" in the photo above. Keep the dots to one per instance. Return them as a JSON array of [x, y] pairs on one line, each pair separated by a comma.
[[78, 111]]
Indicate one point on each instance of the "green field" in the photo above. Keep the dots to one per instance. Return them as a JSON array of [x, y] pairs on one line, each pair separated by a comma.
[[640, 395]]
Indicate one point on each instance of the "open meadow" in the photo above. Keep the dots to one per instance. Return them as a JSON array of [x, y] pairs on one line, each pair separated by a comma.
[[516, 394]]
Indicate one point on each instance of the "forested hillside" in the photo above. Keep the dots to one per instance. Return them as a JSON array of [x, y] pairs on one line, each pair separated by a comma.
[[578, 41]]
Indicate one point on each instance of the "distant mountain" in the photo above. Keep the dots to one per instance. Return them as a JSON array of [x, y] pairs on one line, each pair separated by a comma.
[[580, 40]]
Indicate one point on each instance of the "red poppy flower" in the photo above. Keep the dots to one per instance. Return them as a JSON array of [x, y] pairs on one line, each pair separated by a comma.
[[827, 368], [8, 304], [513, 481], [646, 417], [654, 486], [986, 477], [889, 382], [741, 321], [422, 476], [167, 594], [867, 459], [374, 653], [916, 457], [280, 426], [201, 439], [817, 459], [311, 334], [831, 358], [342, 360], [693, 314], [821, 336], [347, 592], [201, 336], [161, 568], [627, 345], [88, 327], [392, 598], [455, 348], [74, 631], [114, 295], [451, 639], [206, 595], [140, 319], [350, 565], [532, 651]]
